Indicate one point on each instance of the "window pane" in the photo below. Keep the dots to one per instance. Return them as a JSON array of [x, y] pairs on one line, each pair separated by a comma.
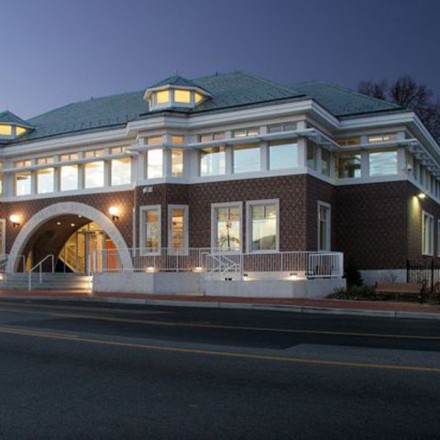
[[176, 162], [152, 229], [246, 159], [349, 166], [324, 228], [5, 130], [45, 181], [212, 161], [69, 177], [155, 164], [178, 228], [283, 156], [228, 229], [121, 171], [154, 140], [383, 163], [94, 174], [20, 130], [264, 227], [325, 162], [23, 183], [175, 139], [163, 97], [183, 96], [311, 156], [198, 98]]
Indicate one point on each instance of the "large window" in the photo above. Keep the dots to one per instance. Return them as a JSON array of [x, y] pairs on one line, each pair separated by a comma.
[[23, 183], [312, 158], [121, 171], [262, 228], [150, 233], [45, 181], [324, 226], [325, 162], [427, 234], [283, 154], [176, 162], [349, 165], [212, 161], [226, 227], [94, 174], [383, 163], [178, 228], [155, 163], [247, 159], [69, 177]]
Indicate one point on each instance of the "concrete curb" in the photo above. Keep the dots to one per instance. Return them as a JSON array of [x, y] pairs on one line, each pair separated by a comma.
[[240, 306]]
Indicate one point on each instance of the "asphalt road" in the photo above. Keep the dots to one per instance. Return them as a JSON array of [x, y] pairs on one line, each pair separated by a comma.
[[94, 372]]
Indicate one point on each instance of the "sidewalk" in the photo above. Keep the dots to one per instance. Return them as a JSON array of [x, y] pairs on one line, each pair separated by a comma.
[[302, 305]]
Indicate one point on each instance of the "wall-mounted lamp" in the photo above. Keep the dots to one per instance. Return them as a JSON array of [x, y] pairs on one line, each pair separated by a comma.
[[114, 212], [421, 196], [15, 220]]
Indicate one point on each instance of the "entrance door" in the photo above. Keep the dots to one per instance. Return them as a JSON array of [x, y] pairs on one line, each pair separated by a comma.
[[93, 245]]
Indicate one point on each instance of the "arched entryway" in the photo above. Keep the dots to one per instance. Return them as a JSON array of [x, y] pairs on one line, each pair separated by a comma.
[[42, 232]]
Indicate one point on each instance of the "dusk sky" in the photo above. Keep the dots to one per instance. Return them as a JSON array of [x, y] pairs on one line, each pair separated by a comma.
[[55, 52]]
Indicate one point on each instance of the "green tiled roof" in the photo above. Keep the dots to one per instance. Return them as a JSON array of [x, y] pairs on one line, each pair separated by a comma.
[[341, 101], [227, 91], [8, 117]]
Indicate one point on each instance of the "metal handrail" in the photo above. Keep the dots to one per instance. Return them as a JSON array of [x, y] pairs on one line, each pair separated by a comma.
[[40, 266]]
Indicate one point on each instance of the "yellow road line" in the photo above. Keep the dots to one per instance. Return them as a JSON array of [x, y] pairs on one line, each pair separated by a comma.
[[21, 332], [226, 327]]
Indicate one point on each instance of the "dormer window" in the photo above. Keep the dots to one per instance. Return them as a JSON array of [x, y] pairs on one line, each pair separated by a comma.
[[11, 126], [175, 92]]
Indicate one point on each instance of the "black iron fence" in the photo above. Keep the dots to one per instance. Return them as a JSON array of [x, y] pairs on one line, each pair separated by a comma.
[[426, 272]]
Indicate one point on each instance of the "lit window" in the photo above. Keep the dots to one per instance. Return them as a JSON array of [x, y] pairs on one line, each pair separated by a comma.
[[283, 155], [427, 234], [178, 227], [175, 139], [247, 159], [325, 162], [150, 229], [154, 140], [263, 226], [94, 153], [383, 163], [209, 137], [44, 160], [19, 131], [198, 98], [381, 138], [155, 163], [212, 161], [348, 142], [324, 222], [94, 174], [163, 97], [69, 177], [349, 165], [227, 228], [244, 132], [121, 171], [277, 128], [45, 180], [176, 162], [22, 164], [23, 183], [5, 130], [118, 150], [182, 96], [69, 157]]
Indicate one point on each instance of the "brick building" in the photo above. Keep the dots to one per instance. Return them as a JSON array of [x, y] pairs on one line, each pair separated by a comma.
[[229, 175]]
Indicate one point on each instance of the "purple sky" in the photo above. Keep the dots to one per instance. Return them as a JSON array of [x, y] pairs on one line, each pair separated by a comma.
[[54, 52]]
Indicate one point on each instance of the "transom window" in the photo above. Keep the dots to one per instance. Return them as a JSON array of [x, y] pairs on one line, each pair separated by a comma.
[[94, 153], [22, 164], [153, 140], [69, 157], [118, 150], [381, 138], [244, 132], [348, 142], [177, 139], [44, 160], [286, 126], [211, 137]]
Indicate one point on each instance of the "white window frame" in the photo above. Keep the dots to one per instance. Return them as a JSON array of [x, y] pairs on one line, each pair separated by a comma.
[[3, 234], [185, 249], [430, 251], [249, 205], [142, 231], [214, 223], [328, 227], [438, 238]]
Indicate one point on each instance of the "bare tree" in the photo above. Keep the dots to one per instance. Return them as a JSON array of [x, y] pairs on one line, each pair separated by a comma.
[[374, 89]]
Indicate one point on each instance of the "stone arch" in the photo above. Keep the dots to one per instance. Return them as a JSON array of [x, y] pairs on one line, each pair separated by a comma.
[[63, 208]]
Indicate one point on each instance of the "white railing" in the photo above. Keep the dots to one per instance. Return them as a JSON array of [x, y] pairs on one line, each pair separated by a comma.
[[40, 267], [295, 264], [4, 261]]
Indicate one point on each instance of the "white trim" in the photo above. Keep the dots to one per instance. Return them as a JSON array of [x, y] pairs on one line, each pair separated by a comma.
[[251, 203], [3, 236], [142, 247], [430, 251], [184, 250], [328, 246], [214, 223]]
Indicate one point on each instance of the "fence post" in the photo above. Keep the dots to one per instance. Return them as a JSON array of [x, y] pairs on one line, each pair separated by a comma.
[[432, 277], [407, 271]]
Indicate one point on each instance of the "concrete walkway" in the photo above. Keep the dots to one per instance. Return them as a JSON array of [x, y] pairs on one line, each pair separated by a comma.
[[303, 305]]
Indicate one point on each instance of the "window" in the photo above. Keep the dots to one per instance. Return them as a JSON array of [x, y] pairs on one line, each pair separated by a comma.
[[277, 128], [2, 236], [177, 139], [383, 163], [45, 180], [44, 160], [325, 162], [247, 159], [312, 160], [162, 97], [118, 150], [348, 142], [324, 226], [94, 174], [182, 96], [212, 161], [427, 234], [150, 233], [349, 165], [226, 227], [23, 183], [121, 171], [262, 229], [211, 137], [19, 131], [376, 139], [176, 163], [244, 132], [5, 130], [69, 177], [154, 140], [94, 153], [22, 164], [1, 178], [69, 157], [198, 98], [155, 163], [178, 228], [283, 155], [438, 238]]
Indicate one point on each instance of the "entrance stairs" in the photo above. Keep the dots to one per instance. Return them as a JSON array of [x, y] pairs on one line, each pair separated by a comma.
[[50, 281]]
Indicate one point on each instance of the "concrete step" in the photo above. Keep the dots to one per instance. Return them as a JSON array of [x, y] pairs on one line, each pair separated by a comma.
[[50, 281]]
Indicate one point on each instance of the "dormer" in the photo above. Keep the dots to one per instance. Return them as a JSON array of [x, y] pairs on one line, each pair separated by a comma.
[[175, 92], [12, 127]]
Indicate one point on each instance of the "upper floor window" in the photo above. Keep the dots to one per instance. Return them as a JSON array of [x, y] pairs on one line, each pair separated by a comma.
[[211, 137], [11, 126], [118, 150], [378, 138], [94, 174], [69, 157], [23, 183], [246, 158], [283, 154], [349, 165], [45, 181], [325, 162], [155, 163], [22, 163], [154, 140], [312, 158], [177, 139], [286, 126], [244, 132], [348, 142], [94, 153], [176, 162], [68, 177], [121, 171], [212, 161], [44, 160], [5, 130], [382, 163]]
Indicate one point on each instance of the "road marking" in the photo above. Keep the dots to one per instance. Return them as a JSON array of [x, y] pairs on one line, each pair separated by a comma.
[[152, 322], [75, 338]]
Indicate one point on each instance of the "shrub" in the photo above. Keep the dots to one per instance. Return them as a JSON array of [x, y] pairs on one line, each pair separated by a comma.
[[360, 293]]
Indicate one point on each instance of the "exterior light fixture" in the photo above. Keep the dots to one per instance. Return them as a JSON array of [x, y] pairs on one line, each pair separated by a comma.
[[150, 269], [421, 196], [15, 220], [198, 269], [114, 212]]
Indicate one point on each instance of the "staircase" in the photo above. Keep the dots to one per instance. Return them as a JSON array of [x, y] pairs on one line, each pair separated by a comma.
[[51, 281]]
